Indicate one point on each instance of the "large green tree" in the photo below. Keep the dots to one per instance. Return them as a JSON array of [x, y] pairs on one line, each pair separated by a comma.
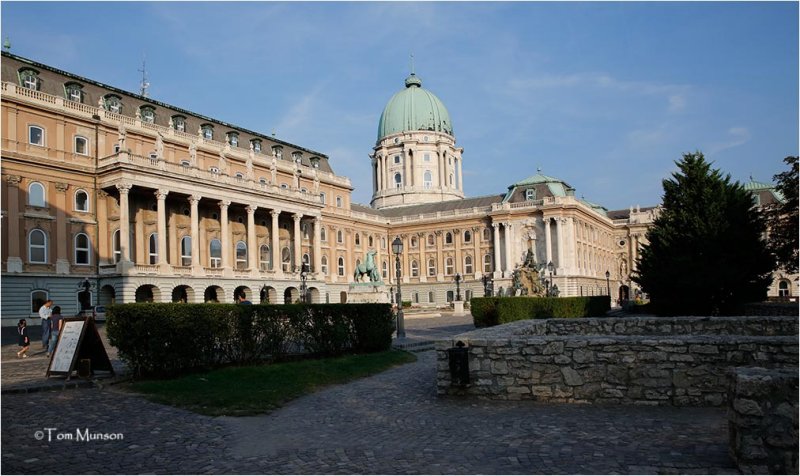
[[783, 218], [706, 253]]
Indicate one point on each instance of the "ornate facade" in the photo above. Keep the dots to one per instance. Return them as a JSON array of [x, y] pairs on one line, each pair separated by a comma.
[[109, 196]]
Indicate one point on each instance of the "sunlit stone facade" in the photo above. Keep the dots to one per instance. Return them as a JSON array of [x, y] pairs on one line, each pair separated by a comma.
[[145, 201]]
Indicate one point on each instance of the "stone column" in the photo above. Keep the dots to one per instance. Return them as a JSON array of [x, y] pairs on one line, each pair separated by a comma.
[[385, 171], [508, 265], [252, 244], [439, 256], [460, 177], [194, 202], [161, 197], [297, 239], [477, 259], [318, 247], [276, 244], [496, 251], [14, 264], [124, 223], [63, 241], [547, 241], [572, 239], [225, 237], [103, 232], [376, 176], [407, 182], [406, 262], [442, 171], [560, 244], [457, 239]]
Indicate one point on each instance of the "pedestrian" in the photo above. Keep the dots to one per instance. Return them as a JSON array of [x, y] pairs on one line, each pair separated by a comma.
[[44, 313], [243, 299], [56, 321], [24, 340]]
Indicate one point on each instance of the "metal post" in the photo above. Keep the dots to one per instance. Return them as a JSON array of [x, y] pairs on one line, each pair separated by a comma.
[[458, 287], [397, 247]]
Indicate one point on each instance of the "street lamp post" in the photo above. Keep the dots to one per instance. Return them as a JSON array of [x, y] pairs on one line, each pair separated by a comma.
[[487, 285], [608, 284], [304, 269], [551, 268], [458, 286], [397, 248]]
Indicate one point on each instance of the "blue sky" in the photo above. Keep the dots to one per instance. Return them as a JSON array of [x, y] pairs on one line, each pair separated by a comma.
[[606, 96]]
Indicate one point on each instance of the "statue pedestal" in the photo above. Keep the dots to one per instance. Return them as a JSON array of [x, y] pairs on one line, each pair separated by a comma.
[[364, 293], [458, 308]]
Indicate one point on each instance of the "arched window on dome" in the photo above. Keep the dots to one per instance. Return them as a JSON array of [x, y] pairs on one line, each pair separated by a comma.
[[427, 179], [398, 180]]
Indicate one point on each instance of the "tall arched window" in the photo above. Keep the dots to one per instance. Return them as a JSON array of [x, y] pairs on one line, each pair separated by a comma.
[[82, 249], [36, 195], [323, 235], [37, 246], [468, 265], [324, 265], [448, 266], [307, 260], [467, 236], [431, 267], [431, 240], [339, 237], [81, 145], [153, 248], [340, 266], [241, 255], [81, 201], [264, 260], [369, 240], [783, 288], [487, 263], [398, 180], [186, 251], [427, 179], [414, 242], [286, 260], [448, 238], [358, 239], [116, 248], [215, 253], [385, 270], [414, 269]]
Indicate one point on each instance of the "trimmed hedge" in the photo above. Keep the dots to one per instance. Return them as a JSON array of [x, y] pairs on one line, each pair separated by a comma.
[[167, 339], [491, 311]]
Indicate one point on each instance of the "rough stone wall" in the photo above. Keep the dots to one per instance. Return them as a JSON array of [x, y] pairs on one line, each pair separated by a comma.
[[762, 420], [653, 361]]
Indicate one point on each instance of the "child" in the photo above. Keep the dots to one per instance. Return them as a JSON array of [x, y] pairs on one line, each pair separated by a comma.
[[24, 340]]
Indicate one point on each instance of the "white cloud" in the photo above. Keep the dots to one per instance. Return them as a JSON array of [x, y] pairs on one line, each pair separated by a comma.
[[737, 136]]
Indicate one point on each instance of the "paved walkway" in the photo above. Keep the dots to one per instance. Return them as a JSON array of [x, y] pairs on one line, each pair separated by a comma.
[[391, 423]]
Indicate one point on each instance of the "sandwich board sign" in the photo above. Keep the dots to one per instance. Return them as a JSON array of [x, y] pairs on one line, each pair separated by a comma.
[[78, 340]]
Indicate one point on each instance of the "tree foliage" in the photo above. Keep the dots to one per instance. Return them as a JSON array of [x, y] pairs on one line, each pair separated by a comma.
[[783, 218], [706, 254]]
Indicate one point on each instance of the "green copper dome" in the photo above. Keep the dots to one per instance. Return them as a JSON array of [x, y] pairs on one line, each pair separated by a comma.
[[414, 109]]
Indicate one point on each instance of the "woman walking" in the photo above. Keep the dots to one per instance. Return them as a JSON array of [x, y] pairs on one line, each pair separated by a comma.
[[24, 340]]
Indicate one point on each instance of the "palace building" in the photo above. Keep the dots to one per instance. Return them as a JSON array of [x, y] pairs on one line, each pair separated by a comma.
[[110, 196]]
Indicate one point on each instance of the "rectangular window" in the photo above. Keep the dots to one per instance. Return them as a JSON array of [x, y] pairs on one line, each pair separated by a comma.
[[396, 159], [427, 157], [36, 135], [81, 146]]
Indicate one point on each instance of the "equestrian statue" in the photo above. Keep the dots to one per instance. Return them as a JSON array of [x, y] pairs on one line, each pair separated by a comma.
[[368, 270]]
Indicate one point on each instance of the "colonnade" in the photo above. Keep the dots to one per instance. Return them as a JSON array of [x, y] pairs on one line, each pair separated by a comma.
[[253, 248]]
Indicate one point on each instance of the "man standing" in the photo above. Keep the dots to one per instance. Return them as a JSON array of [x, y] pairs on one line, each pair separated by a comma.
[[44, 313]]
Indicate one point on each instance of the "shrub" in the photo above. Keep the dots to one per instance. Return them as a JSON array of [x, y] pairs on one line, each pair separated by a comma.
[[500, 310], [166, 339], [484, 311]]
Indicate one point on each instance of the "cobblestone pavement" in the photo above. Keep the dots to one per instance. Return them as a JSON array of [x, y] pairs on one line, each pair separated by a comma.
[[390, 423]]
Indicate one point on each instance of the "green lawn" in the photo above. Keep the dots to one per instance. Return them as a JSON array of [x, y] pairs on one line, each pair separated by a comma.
[[239, 391]]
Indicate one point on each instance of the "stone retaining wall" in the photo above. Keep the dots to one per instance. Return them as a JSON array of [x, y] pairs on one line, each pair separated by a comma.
[[679, 361], [762, 420]]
